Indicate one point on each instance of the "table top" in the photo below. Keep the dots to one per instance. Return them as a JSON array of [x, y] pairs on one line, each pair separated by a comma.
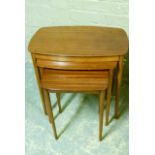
[[79, 41], [65, 80]]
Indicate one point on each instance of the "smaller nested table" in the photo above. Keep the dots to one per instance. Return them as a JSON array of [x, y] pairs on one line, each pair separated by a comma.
[[78, 59]]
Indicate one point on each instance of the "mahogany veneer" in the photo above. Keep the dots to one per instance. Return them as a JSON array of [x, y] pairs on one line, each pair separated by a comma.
[[78, 59]]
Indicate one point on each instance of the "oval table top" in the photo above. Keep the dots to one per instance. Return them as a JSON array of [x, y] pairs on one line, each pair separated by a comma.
[[79, 41]]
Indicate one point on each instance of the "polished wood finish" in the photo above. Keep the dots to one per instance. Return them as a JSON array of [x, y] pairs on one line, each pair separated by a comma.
[[38, 77], [79, 41], [49, 111], [118, 85], [78, 59], [74, 80], [75, 65], [101, 112], [62, 80], [109, 95]]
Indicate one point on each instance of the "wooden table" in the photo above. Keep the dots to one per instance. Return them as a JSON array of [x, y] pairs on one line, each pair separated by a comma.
[[77, 48]]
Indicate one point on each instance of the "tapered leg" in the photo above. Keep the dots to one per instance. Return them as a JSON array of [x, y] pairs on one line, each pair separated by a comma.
[[38, 77], [42, 100], [102, 95], [58, 101], [118, 86], [109, 95], [49, 111]]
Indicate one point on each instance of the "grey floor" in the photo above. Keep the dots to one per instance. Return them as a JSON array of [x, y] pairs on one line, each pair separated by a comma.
[[77, 126]]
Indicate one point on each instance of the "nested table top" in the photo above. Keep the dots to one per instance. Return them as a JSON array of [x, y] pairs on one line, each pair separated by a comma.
[[79, 41], [74, 80]]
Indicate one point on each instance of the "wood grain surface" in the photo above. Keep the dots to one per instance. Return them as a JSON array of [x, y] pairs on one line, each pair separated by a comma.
[[74, 80], [79, 41]]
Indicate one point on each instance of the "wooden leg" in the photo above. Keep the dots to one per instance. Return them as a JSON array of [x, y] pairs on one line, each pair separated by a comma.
[[109, 95], [58, 101], [38, 77], [118, 85], [43, 100], [49, 111], [102, 95]]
